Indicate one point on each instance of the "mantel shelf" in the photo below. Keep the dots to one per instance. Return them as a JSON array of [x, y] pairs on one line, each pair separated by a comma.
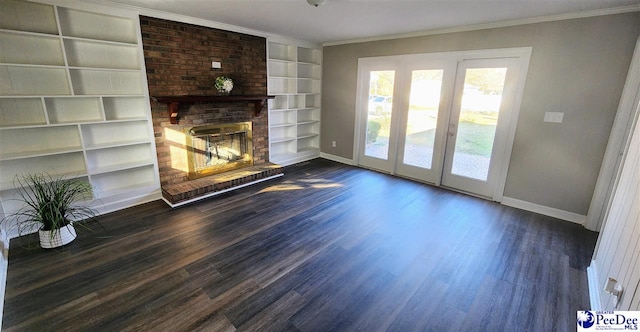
[[173, 102]]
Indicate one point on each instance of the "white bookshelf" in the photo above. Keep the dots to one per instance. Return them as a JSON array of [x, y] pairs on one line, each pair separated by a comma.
[[295, 74], [73, 101]]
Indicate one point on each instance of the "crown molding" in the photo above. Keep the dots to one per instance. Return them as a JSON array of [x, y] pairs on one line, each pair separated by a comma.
[[503, 24], [178, 18]]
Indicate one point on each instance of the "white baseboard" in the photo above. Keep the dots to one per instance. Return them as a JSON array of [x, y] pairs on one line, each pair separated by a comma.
[[594, 290], [337, 159], [516, 203], [129, 202], [545, 210], [297, 159]]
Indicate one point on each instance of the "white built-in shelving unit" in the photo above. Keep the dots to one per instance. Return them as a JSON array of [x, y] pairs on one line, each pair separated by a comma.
[[74, 102], [294, 114]]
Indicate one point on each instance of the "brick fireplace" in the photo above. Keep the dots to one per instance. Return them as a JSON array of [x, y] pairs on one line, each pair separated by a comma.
[[178, 60]]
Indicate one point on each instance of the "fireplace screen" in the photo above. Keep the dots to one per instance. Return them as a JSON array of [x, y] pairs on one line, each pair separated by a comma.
[[216, 149]]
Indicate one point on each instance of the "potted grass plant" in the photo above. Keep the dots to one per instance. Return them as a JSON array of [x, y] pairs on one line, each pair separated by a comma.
[[52, 205]]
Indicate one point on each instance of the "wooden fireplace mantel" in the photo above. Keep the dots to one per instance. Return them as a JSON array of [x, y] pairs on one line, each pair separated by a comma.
[[173, 102]]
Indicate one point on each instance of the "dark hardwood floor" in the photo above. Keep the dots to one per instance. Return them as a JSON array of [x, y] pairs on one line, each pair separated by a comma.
[[328, 247]]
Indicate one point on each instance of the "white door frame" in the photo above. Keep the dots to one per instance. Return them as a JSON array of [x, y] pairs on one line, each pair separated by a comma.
[[432, 62], [524, 55], [628, 110]]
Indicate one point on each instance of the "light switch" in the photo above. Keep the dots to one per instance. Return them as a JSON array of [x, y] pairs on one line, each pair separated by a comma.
[[216, 65], [556, 117]]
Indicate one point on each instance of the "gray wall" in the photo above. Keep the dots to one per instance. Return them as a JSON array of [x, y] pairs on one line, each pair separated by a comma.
[[577, 67]]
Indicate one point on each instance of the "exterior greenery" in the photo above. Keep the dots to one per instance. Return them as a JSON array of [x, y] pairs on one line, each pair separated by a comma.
[[373, 129]]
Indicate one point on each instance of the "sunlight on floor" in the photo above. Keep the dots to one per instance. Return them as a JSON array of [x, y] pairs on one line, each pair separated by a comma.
[[303, 184]]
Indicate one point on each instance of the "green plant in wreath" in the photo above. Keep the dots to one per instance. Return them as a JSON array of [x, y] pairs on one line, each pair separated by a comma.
[[224, 84], [373, 129], [50, 204]]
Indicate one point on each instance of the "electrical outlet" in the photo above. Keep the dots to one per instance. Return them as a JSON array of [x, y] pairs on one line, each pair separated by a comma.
[[216, 65], [333, 144], [555, 117]]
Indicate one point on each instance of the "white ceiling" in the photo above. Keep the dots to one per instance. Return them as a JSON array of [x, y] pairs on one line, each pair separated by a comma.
[[339, 20]]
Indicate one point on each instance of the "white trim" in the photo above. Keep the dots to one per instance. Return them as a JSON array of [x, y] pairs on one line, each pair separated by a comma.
[[215, 193], [474, 27], [525, 60], [102, 7], [114, 8], [338, 159], [296, 159], [594, 290], [545, 210], [128, 202], [521, 57], [196, 21], [619, 139], [4, 268]]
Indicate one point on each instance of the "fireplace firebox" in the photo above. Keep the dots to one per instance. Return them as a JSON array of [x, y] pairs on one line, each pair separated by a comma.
[[213, 149]]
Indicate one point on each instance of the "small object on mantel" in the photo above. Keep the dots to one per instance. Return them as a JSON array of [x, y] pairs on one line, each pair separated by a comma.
[[173, 102]]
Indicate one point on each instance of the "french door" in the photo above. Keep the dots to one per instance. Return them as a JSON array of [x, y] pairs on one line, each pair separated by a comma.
[[441, 118]]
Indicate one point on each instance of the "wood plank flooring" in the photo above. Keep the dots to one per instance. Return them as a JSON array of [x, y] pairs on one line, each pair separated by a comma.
[[327, 247]]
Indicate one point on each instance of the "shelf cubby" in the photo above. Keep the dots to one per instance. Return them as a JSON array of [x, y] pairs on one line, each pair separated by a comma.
[[282, 150], [308, 144], [82, 24], [26, 142], [67, 164], [308, 129], [73, 110], [15, 112], [30, 49], [296, 101], [282, 69], [281, 134], [29, 81], [282, 52], [124, 108], [28, 16], [282, 118], [278, 103], [308, 71], [279, 85], [102, 135], [309, 55], [312, 101], [117, 182], [308, 86], [119, 158], [91, 54], [308, 115], [106, 82]]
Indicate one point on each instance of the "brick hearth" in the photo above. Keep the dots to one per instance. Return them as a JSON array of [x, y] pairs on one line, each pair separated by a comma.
[[184, 192]]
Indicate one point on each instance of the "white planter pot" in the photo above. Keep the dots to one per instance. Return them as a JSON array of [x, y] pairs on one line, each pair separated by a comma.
[[59, 238]]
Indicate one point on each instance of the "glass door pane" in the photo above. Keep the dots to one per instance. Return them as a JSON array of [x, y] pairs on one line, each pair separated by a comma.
[[379, 110], [422, 117], [481, 99]]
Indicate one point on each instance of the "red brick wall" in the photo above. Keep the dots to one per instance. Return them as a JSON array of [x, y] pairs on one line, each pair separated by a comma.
[[178, 60]]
